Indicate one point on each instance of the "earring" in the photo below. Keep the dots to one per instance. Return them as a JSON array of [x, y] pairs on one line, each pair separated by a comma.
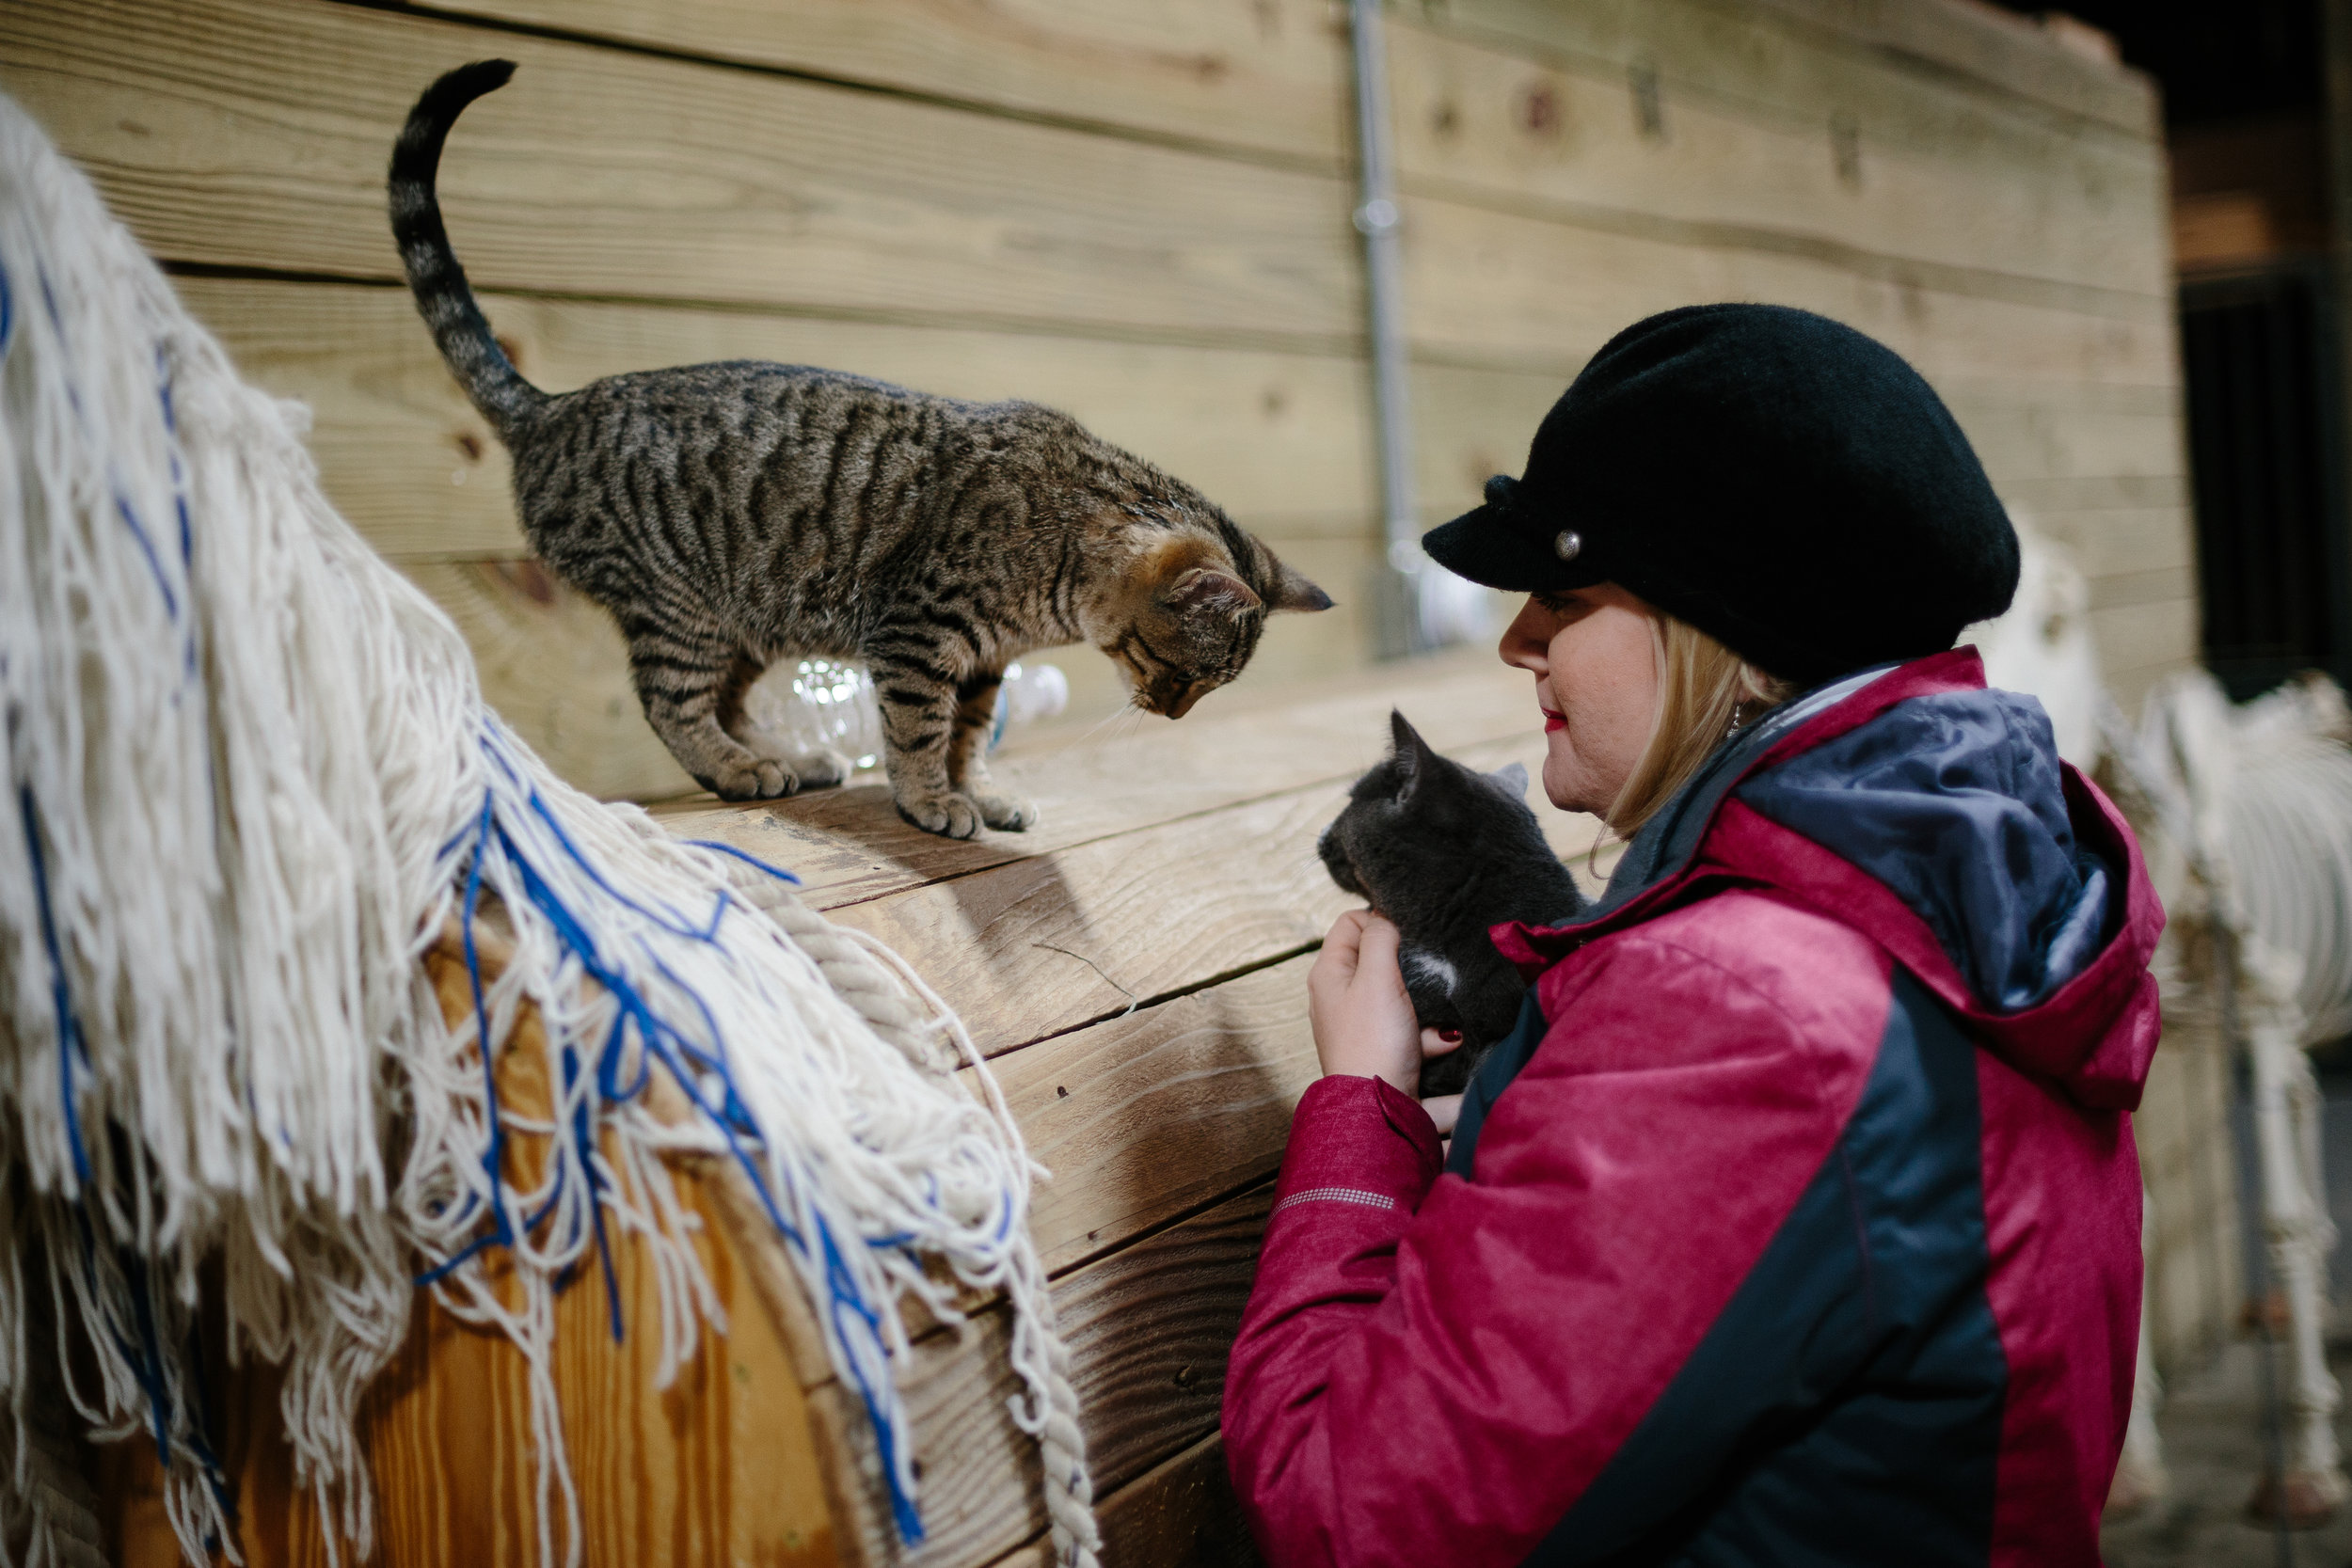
[[1739, 717]]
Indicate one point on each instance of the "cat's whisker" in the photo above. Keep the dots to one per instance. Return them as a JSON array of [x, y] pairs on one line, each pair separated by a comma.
[[1108, 720]]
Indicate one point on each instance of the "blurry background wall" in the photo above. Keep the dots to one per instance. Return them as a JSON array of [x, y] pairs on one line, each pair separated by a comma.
[[1140, 211]]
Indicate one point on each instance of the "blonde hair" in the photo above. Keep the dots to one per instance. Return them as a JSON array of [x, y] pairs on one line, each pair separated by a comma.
[[1701, 685]]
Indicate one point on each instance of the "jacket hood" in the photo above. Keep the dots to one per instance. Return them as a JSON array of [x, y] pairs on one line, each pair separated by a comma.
[[1936, 817]]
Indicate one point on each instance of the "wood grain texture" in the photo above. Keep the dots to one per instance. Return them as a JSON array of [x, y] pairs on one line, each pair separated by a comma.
[[1041, 943], [1511, 290], [554, 664], [1147, 1328], [1144, 1118], [254, 133], [1928, 70], [852, 203], [1556, 135], [1995, 49], [1180, 1513], [1270, 76]]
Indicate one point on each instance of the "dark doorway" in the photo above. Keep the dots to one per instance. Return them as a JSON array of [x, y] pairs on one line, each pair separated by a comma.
[[2265, 472], [2246, 123]]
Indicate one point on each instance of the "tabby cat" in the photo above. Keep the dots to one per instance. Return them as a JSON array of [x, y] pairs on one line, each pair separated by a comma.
[[732, 514], [1446, 852]]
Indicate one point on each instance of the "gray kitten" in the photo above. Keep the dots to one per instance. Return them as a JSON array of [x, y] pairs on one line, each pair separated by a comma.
[[732, 514], [1446, 851]]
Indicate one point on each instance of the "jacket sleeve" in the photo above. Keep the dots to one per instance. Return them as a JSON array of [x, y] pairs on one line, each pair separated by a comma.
[[1435, 1370]]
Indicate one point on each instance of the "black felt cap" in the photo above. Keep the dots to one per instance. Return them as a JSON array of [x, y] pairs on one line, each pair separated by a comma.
[[1780, 481]]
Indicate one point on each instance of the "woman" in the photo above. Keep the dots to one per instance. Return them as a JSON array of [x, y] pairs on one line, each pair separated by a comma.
[[1800, 1221]]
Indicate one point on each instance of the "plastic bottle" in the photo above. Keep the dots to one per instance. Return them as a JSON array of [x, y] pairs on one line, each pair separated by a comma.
[[819, 704], [1030, 693]]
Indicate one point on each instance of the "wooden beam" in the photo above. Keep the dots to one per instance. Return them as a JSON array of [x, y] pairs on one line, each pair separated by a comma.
[[2100, 493], [2121, 540], [1998, 51], [1180, 1513], [1264, 76], [1929, 71], [1509, 291], [1145, 1117], [254, 134], [1040, 944], [1148, 1330], [1557, 135]]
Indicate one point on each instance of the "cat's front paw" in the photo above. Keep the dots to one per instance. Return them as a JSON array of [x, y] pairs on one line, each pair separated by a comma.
[[1007, 812], [950, 815], [821, 768], [752, 779]]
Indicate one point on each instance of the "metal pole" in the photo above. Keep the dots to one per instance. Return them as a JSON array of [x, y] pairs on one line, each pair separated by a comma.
[[1400, 629]]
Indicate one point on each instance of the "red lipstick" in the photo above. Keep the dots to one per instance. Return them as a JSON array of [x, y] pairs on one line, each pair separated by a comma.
[[1552, 721]]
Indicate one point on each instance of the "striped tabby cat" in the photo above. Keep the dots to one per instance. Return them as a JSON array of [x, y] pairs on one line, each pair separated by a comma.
[[733, 514]]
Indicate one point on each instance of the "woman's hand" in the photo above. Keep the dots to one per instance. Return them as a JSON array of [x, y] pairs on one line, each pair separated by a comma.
[[1363, 1021]]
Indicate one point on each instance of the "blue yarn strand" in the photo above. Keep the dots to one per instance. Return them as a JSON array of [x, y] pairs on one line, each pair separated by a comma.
[[699, 1066], [70, 1043], [776, 871]]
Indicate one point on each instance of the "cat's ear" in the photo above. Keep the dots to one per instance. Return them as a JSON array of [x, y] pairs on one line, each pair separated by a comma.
[[1512, 776], [1206, 591], [1294, 592], [1414, 759]]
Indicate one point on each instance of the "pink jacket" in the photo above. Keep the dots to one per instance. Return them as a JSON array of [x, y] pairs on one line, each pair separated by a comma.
[[1798, 1224]]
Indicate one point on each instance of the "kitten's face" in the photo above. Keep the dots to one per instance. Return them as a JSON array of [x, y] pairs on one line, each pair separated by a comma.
[[1411, 822], [1190, 620]]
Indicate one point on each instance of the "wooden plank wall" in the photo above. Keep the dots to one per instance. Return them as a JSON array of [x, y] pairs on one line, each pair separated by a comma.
[[1140, 212]]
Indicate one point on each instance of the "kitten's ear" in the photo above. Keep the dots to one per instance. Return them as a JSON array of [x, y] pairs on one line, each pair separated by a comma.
[[1205, 590], [1413, 755], [1294, 592], [1512, 776]]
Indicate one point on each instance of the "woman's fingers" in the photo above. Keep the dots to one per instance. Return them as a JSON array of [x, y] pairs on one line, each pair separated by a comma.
[[1376, 943], [1439, 1042], [1347, 934], [1334, 969], [1342, 949], [1363, 1020], [1443, 1109]]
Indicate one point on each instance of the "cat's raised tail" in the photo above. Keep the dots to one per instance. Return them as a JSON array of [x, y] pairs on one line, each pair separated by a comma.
[[443, 297]]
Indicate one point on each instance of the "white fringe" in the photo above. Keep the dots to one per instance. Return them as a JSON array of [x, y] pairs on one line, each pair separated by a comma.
[[251, 778]]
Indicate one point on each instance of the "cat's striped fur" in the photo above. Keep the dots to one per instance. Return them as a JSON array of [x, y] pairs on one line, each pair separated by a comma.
[[733, 514]]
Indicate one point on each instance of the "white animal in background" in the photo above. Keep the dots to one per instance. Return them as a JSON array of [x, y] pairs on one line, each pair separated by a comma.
[[2260, 795], [2043, 646]]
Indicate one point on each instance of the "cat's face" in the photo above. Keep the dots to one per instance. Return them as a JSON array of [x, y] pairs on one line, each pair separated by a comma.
[[1416, 819], [1190, 620]]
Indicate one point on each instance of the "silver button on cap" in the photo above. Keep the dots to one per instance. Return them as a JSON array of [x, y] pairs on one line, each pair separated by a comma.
[[1568, 545]]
